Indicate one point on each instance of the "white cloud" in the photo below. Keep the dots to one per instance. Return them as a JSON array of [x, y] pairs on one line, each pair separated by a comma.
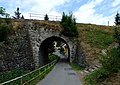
[[115, 3], [34, 6], [87, 14]]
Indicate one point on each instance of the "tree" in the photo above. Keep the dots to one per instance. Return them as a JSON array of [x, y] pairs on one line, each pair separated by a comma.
[[2, 11], [17, 14], [117, 28], [68, 23], [22, 17], [117, 19], [7, 15], [46, 17]]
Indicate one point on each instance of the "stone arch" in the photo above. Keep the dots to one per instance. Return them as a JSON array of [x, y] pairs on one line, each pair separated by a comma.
[[40, 34], [43, 49]]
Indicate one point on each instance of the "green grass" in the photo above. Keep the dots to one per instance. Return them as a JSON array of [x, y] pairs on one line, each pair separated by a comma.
[[99, 39], [26, 79], [97, 76], [5, 76], [34, 82], [110, 64], [52, 57], [76, 67]]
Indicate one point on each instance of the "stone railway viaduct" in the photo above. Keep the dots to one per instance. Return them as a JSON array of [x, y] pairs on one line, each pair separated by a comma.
[[28, 46]]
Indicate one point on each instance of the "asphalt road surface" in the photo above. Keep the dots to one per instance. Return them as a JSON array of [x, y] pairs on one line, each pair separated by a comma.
[[62, 74]]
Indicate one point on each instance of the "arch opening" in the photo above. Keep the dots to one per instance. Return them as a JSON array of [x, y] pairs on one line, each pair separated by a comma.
[[61, 49]]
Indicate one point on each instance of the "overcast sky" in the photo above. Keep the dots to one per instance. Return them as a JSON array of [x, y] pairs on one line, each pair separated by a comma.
[[85, 11]]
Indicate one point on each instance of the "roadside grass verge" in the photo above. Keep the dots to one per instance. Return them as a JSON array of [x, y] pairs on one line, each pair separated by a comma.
[[76, 67], [96, 77], [5, 76], [30, 78], [34, 82]]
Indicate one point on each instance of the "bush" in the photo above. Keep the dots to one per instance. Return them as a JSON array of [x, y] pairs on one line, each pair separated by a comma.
[[95, 77], [110, 63], [4, 29], [52, 57], [112, 60], [117, 34], [69, 25]]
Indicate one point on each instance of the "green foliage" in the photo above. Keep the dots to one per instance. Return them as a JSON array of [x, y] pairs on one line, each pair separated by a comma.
[[22, 17], [17, 14], [112, 60], [75, 66], [4, 29], [68, 23], [99, 39], [117, 34], [117, 19], [5, 76], [35, 81], [4, 25], [31, 78], [3, 12], [110, 63], [46, 17], [117, 28], [95, 77], [52, 57]]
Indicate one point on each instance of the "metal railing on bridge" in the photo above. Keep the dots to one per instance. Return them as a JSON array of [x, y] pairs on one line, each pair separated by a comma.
[[24, 79], [41, 17]]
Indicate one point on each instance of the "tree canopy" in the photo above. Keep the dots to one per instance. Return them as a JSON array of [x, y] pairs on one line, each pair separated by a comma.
[[3, 13], [46, 17], [117, 19], [68, 23]]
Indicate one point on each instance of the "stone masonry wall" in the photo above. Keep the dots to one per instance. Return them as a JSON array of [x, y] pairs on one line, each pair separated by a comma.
[[17, 52], [22, 48]]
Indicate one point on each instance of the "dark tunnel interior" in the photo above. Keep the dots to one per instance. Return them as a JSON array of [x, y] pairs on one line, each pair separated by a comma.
[[43, 50]]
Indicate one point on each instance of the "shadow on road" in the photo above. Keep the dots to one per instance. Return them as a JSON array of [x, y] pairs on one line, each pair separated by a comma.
[[63, 60]]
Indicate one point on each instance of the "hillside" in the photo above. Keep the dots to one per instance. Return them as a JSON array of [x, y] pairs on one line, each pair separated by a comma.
[[96, 40]]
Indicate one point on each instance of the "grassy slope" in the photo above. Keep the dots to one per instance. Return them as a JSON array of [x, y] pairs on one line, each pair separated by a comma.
[[94, 38]]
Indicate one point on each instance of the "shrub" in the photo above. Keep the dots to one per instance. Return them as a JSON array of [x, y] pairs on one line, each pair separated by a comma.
[[117, 34], [95, 77], [68, 23], [4, 29], [52, 57], [112, 60]]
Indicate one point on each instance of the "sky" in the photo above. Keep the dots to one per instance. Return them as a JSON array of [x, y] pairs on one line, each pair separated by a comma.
[[85, 11]]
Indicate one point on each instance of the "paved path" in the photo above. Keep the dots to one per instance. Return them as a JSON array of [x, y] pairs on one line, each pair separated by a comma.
[[62, 74]]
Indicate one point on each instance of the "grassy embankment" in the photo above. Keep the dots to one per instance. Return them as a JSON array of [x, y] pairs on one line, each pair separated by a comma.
[[94, 39]]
